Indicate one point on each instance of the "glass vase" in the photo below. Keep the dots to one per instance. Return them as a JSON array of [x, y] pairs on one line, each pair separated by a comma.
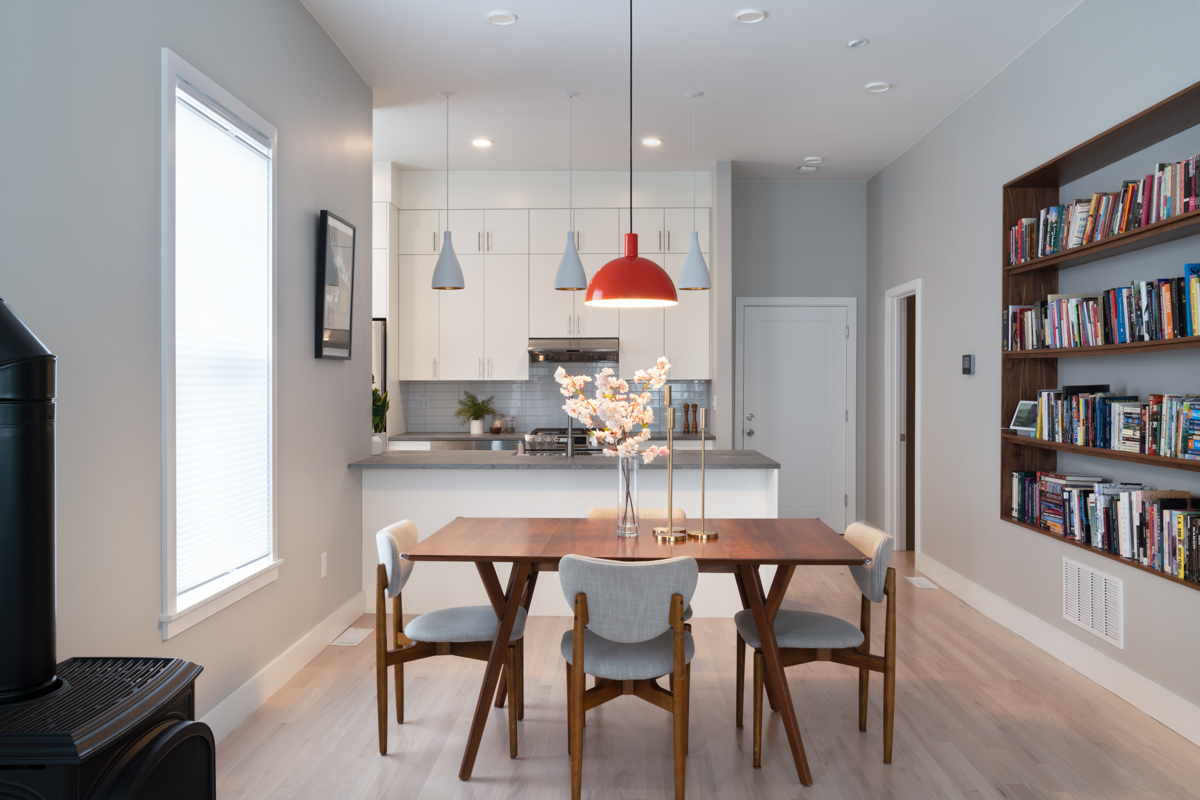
[[627, 495]]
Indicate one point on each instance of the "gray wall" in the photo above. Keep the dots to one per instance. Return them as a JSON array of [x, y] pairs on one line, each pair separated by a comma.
[[806, 239], [79, 216], [935, 213]]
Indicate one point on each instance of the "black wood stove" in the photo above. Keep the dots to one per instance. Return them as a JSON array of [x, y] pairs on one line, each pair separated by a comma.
[[94, 728]]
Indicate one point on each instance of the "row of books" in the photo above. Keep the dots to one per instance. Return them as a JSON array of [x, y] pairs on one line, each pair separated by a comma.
[[1157, 529], [1167, 192], [1092, 416], [1143, 311]]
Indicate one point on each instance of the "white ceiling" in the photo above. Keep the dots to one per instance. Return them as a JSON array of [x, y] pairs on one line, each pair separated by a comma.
[[775, 91]]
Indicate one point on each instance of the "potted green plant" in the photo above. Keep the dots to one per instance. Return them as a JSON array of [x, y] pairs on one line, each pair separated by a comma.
[[471, 409], [379, 408]]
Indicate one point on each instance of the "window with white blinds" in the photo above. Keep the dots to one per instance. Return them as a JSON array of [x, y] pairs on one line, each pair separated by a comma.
[[220, 336]]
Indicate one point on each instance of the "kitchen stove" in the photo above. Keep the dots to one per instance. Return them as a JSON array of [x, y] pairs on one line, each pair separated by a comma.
[[553, 442]]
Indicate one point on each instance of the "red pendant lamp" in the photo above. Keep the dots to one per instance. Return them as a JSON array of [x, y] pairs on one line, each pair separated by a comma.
[[631, 281]]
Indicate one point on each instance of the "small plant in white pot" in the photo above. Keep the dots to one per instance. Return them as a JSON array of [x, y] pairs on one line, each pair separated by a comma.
[[379, 408], [471, 409]]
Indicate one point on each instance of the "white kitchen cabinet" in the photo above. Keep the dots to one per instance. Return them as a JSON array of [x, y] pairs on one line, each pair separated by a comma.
[[379, 282], [506, 231], [648, 225], [548, 230], [641, 336], [551, 312], [506, 317], [466, 231], [678, 223], [379, 225], [597, 230], [416, 321], [418, 232], [460, 328], [589, 320], [686, 329]]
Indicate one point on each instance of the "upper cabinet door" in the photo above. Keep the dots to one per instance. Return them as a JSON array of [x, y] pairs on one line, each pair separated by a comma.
[[379, 282], [413, 328], [506, 231], [641, 339], [686, 329], [506, 317], [589, 320], [548, 230], [460, 328], [379, 224], [596, 231], [466, 231], [678, 222], [551, 312], [648, 225], [418, 232]]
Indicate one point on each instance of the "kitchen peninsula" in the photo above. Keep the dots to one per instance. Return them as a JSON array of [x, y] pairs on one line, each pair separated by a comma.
[[432, 488]]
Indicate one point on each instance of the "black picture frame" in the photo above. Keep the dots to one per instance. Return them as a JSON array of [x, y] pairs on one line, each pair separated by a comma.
[[335, 286]]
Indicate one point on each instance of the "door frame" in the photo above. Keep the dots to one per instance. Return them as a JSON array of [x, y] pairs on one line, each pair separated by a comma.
[[893, 341], [851, 306]]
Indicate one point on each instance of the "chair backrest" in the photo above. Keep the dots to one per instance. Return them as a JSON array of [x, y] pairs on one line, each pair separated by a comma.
[[878, 545], [393, 540], [628, 602], [646, 513]]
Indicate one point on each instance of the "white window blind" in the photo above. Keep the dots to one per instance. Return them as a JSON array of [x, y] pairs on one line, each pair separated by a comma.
[[222, 347]]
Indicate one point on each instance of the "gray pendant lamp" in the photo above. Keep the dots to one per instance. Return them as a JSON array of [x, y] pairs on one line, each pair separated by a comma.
[[570, 276], [447, 274], [695, 271]]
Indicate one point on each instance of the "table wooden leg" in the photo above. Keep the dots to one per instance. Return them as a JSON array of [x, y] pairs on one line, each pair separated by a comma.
[[493, 589], [775, 678], [508, 616]]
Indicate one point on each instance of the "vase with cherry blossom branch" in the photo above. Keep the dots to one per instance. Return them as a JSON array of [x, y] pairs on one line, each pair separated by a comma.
[[616, 408]]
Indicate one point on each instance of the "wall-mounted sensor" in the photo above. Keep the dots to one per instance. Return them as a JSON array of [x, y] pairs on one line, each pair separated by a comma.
[[968, 365]]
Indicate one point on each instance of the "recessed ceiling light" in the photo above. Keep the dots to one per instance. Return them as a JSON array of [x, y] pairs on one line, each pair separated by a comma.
[[482, 142], [858, 43], [813, 159], [751, 15], [652, 141], [877, 86], [502, 18], [807, 168]]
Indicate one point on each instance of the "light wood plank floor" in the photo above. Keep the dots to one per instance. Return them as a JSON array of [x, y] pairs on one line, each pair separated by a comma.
[[980, 713]]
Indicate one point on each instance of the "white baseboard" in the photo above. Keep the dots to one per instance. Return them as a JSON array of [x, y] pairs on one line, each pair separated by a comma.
[[234, 709], [1171, 710]]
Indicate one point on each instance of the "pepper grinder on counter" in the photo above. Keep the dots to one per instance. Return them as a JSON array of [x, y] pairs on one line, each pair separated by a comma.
[[695, 419], [701, 419], [687, 426], [670, 533]]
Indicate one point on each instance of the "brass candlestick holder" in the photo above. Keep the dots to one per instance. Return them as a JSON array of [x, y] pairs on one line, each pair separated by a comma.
[[670, 533], [700, 418]]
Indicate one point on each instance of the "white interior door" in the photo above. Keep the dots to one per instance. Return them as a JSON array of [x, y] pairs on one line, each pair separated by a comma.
[[506, 317], [415, 325], [460, 339], [794, 404]]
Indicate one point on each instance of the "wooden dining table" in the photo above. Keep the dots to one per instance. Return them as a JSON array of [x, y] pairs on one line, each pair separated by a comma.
[[535, 545]]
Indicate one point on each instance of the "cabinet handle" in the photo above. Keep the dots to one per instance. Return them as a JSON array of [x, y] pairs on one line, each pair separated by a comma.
[[660, 240], [479, 242], [578, 327], [668, 241], [570, 322], [435, 369], [489, 241], [480, 367], [576, 240], [489, 366], [434, 240]]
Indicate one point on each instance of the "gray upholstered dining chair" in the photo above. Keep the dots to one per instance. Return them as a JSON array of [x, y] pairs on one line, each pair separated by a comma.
[[628, 632], [466, 631], [805, 636]]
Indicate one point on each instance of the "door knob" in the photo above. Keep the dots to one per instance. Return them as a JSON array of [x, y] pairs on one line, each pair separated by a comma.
[[750, 432], [750, 417]]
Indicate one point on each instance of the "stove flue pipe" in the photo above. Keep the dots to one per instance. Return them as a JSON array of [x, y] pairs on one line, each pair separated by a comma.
[[27, 644]]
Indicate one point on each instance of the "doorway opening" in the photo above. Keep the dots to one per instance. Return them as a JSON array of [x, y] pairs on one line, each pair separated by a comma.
[[902, 414]]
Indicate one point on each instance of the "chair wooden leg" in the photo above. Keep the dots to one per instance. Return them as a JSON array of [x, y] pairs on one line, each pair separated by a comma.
[[864, 675], [889, 665], [739, 700], [687, 706], [679, 715], [520, 678], [577, 686], [502, 688], [758, 706], [400, 639], [510, 661], [381, 656], [570, 714]]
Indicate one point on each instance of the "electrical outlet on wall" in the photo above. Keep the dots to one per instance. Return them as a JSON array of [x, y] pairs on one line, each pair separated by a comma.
[[425, 401], [324, 564]]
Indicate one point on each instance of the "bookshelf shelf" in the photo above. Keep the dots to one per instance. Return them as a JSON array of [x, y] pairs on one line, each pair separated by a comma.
[[1151, 235], [1111, 556], [1099, 452], [1157, 345], [1025, 372]]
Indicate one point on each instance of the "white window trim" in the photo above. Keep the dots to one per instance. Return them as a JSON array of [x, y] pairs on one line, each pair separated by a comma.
[[181, 613]]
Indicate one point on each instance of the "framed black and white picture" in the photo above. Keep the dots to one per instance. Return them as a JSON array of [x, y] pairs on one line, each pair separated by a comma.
[[335, 286]]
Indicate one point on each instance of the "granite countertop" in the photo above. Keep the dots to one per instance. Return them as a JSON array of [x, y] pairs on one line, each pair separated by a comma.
[[459, 436], [508, 459]]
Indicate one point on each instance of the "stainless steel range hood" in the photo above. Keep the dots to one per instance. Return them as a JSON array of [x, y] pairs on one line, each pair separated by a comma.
[[568, 350]]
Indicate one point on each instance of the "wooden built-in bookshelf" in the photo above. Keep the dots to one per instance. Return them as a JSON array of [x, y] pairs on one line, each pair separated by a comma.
[[1025, 372]]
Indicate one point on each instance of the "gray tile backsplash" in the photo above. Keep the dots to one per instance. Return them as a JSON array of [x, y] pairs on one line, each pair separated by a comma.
[[536, 403]]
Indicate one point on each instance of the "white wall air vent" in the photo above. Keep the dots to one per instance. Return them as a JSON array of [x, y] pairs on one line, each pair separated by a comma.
[[1093, 600]]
